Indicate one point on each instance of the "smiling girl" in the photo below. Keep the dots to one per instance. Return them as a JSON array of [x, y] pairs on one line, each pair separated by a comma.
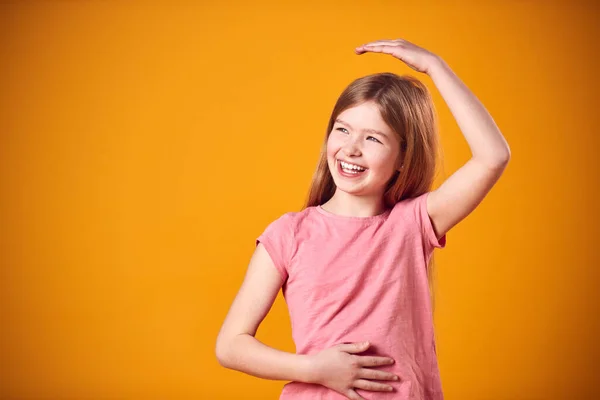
[[354, 264]]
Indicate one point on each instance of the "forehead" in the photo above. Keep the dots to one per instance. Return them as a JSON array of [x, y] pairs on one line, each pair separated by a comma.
[[364, 117]]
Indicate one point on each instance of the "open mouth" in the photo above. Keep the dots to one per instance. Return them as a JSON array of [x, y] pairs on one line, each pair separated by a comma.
[[349, 170]]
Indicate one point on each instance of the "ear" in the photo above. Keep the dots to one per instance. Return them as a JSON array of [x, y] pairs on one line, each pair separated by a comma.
[[399, 164]]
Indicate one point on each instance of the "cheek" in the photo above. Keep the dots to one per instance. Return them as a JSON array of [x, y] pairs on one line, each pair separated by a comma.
[[332, 147], [383, 163]]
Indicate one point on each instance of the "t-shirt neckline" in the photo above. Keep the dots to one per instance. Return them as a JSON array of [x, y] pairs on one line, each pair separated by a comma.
[[371, 218]]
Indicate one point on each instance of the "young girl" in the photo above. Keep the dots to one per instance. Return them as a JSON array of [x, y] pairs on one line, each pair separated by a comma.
[[353, 264]]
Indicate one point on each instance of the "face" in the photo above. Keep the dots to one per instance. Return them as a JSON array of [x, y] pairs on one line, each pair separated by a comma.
[[361, 138]]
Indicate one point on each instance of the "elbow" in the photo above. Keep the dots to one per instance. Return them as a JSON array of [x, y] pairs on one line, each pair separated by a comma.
[[495, 161], [501, 161], [225, 351], [505, 156], [221, 352]]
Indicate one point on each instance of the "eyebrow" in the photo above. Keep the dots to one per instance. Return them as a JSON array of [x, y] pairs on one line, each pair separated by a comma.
[[364, 130]]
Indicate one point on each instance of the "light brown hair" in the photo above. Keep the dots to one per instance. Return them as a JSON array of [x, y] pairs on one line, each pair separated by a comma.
[[406, 106]]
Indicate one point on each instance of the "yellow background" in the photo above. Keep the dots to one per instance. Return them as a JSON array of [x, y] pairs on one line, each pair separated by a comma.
[[144, 147]]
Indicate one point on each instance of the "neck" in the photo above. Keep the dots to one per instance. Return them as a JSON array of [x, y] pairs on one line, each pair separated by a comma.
[[349, 205]]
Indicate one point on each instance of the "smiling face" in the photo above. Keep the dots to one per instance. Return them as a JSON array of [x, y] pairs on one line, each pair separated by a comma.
[[361, 137]]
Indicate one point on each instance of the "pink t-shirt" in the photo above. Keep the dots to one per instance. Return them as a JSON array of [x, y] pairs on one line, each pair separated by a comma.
[[353, 279]]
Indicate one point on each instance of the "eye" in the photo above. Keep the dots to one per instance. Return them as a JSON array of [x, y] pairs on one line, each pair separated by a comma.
[[343, 129], [371, 137]]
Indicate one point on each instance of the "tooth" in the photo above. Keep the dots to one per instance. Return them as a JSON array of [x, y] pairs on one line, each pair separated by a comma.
[[351, 166]]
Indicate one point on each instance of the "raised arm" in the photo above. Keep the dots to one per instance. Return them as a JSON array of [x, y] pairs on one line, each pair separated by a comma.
[[462, 192]]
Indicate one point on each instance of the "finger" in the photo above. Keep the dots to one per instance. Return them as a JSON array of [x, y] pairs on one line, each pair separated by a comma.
[[376, 44], [398, 42], [352, 395], [372, 361], [372, 386], [379, 48], [354, 347], [367, 373]]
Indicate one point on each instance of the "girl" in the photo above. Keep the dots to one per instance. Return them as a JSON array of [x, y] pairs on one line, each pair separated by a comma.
[[354, 263]]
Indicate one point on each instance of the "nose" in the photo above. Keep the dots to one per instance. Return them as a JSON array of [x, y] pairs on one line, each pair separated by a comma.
[[351, 147]]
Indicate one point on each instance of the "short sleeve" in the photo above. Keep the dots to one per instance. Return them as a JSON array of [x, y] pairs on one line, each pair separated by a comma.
[[425, 223], [277, 239]]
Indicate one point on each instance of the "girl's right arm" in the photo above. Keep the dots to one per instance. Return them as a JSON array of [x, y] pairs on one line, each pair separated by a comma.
[[339, 368], [237, 348]]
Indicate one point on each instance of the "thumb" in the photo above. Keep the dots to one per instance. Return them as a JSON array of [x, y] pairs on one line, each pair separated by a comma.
[[354, 347]]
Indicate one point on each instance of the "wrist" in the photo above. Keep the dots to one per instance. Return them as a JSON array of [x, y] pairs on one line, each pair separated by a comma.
[[307, 370], [436, 65]]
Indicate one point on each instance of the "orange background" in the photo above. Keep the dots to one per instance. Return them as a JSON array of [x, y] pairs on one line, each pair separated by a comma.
[[144, 147]]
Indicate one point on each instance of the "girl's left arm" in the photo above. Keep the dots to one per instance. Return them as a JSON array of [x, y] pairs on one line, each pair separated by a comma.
[[462, 192]]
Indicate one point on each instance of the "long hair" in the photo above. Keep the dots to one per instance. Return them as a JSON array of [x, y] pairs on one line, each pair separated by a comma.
[[406, 107]]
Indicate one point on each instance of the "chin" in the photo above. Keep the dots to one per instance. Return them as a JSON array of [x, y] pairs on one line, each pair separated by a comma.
[[358, 190]]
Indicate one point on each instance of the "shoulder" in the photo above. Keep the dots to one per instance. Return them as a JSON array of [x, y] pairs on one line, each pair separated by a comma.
[[298, 220], [290, 221], [411, 207], [414, 211]]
